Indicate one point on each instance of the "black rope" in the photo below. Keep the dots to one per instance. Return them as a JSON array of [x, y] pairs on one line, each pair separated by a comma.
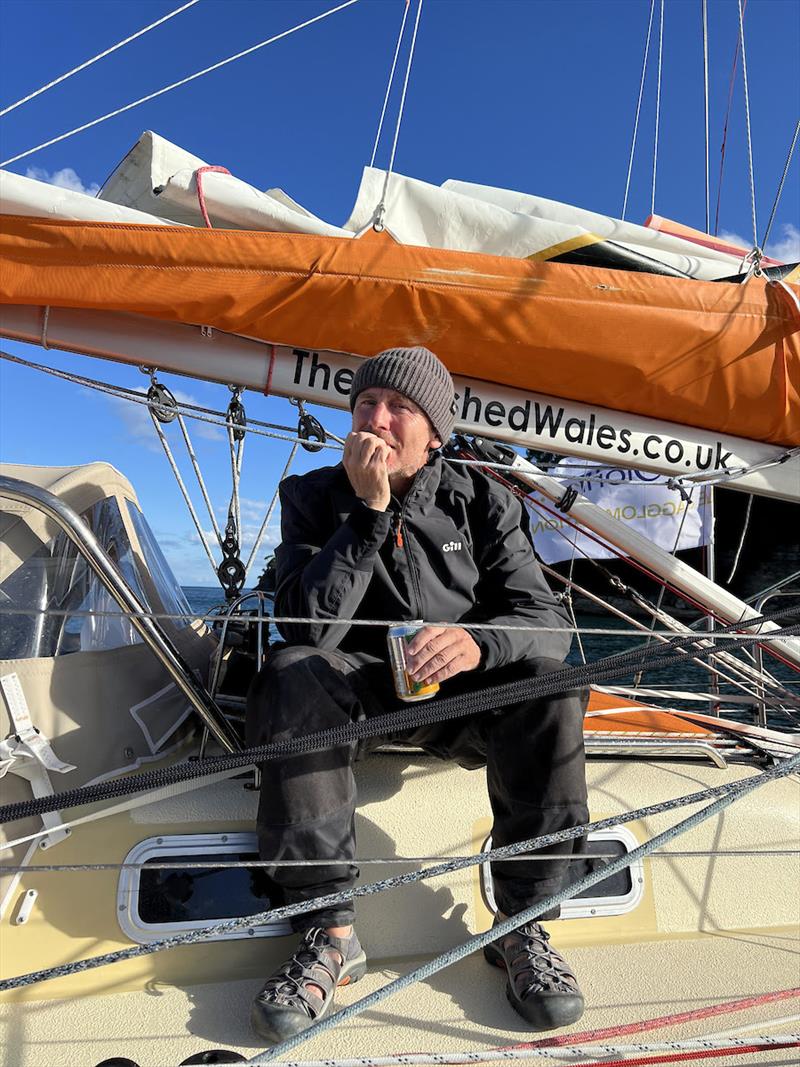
[[393, 722]]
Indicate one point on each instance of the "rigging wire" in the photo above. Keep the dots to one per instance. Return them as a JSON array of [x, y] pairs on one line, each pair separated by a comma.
[[270, 509], [705, 101], [725, 128], [381, 209], [658, 107], [638, 108], [390, 83], [765, 238], [101, 55], [178, 84], [747, 125], [185, 493]]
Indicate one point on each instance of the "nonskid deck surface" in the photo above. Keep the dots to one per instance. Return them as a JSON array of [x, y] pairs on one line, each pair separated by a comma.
[[462, 1008]]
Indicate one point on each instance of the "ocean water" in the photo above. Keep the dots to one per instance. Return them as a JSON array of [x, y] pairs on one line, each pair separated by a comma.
[[690, 677]]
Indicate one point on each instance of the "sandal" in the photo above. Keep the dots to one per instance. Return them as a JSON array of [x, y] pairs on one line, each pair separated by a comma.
[[289, 1002], [541, 986]]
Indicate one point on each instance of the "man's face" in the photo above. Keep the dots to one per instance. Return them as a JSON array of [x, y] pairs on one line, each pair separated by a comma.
[[401, 424]]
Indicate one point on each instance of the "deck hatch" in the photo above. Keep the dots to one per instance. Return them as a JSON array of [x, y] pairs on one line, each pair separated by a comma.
[[153, 902], [616, 895]]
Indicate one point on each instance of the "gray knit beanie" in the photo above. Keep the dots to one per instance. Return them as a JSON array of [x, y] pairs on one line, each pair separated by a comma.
[[416, 373]]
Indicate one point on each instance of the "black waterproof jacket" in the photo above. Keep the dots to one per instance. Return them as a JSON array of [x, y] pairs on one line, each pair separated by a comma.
[[456, 549]]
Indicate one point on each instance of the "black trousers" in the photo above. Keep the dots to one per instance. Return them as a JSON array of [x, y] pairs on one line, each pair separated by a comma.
[[532, 751]]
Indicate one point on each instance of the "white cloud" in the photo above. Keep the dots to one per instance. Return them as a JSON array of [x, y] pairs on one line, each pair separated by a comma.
[[66, 178], [785, 248], [735, 239], [135, 419], [196, 427]]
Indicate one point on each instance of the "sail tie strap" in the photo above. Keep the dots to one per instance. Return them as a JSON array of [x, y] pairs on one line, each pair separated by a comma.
[[201, 199]]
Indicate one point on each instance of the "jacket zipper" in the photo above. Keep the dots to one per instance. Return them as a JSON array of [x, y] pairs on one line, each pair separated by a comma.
[[401, 543]]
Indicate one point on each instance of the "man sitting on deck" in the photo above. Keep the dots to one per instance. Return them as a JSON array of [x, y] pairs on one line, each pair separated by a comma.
[[395, 532]]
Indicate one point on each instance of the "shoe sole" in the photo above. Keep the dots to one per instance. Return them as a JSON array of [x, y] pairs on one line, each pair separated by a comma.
[[284, 1024], [562, 1009]]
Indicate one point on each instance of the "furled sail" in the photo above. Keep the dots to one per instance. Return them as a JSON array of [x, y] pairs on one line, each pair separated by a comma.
[[716, 355]]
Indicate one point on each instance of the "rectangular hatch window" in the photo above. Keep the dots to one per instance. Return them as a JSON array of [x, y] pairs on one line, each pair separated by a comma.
[[615, 895], [154, 901]]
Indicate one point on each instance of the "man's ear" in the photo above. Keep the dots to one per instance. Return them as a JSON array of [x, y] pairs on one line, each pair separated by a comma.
[[435, 442]]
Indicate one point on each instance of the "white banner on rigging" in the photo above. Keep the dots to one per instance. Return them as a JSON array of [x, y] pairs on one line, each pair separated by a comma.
[[637, 498]]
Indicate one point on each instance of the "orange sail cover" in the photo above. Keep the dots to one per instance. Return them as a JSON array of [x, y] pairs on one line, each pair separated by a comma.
[[721, 356]]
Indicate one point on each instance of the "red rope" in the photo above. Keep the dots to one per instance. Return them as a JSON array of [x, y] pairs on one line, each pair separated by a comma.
[[662, 1020], [270, 369], [695, 1054], [198, 175]]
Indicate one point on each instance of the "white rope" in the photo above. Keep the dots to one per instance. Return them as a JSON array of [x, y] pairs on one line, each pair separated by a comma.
[[101, 55], [747, 123], [391, 81], [270, 509], [382, 205], [236, 454], [178, 84], [705, 100], [658, 108], [745, 528], [562, 1053], [199, 475], [184, 491], [638, 108]]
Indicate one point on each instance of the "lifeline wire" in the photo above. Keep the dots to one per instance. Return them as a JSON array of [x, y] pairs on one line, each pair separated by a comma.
[[101, 55], [370, 889], [178, 84], [387, 724], [508, 926]]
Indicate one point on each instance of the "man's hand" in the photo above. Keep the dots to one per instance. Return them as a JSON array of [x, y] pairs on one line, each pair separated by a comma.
[[365, 458], [437, 653]]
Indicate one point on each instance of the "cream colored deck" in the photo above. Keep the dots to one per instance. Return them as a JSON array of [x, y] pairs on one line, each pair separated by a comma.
[[709, 929]]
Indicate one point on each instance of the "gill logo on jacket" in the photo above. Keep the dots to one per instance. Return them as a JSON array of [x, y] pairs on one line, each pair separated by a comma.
[[452, 546]]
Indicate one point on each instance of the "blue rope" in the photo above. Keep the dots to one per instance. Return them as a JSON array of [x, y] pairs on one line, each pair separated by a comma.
[[510, 925]]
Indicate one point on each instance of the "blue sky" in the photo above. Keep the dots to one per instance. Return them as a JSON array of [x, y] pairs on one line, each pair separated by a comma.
[[537, 95]]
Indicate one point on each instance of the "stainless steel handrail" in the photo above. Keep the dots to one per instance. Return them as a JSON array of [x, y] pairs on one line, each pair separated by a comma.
[[150, 631], [630, 746]]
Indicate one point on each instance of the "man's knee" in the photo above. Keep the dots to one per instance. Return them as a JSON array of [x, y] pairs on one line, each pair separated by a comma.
[[292, 694]]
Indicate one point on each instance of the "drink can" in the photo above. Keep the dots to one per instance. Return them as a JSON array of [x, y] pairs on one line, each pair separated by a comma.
[[405, 686]]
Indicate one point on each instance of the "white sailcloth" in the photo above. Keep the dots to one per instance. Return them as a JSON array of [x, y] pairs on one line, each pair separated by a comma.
[[639, 499]]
